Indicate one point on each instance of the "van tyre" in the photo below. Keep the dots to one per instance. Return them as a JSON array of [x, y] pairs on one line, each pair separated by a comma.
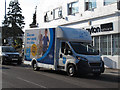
[[19, 63], [2, 62], [35, 67], [71, 70]]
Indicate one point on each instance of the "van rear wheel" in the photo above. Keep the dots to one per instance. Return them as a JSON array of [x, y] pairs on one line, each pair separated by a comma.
[[71, 71], [35, 67]]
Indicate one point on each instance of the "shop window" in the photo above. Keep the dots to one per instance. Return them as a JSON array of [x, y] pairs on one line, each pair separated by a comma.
[[96, 42], [107, 2], [58, 13], [116, 44], [109, 44], [73, 8], [119, 44], [90, 4], [103, 44]]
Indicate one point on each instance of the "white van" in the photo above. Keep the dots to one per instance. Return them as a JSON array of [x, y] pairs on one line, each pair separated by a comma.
[[62, 48]]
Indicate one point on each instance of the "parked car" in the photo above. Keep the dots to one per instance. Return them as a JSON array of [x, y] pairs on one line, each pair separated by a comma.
[[9, 55]]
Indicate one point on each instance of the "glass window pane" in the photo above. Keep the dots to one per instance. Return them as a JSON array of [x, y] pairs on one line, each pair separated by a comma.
[[90, 4], [75, 8], [49, 15], [106, 2], [103, 44], [57, 13], [115, 44], [93, 3], [96, 43], [119, 44], [109, 44]]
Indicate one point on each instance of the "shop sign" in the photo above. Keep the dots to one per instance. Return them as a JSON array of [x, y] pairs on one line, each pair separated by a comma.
[[101, 28]]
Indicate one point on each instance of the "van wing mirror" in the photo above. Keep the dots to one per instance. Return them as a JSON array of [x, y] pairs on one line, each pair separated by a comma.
[[70, 52], [66, 52], [98, 51]]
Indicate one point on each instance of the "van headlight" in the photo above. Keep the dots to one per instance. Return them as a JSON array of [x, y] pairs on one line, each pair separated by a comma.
[[3, 54], [81, 58]]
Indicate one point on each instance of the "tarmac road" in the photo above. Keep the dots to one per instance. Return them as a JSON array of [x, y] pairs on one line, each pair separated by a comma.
[[23, 76]]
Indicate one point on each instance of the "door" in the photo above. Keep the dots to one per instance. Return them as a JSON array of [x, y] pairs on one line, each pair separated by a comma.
[[63, 55]]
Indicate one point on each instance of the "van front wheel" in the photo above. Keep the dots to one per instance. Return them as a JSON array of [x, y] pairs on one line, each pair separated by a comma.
[[71, 71], [35, 67]]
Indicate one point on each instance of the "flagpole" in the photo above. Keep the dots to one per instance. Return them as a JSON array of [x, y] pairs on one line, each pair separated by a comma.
[[5, 9]]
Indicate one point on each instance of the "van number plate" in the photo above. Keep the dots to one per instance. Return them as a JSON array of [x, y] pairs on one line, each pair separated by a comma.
[[96, 70], [14, 59]]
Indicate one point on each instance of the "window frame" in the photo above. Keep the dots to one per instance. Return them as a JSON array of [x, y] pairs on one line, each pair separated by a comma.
[[87, 8], [46, 16], [71, 4], [60, 10]]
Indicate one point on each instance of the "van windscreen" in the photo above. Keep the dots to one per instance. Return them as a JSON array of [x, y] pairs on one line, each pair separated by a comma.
[[84, 48], [8, 49]]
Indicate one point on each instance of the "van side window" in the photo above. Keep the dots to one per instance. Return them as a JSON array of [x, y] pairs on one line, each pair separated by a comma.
[[64, 46]]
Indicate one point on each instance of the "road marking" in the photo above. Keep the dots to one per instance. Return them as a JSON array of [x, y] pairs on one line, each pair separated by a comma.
[[117, 74], [31, 82]]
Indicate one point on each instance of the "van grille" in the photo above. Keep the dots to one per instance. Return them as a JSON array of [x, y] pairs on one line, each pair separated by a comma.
[[95, 64], [13, 55]]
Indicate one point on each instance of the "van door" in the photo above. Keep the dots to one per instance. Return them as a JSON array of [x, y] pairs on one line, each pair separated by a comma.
[[63, 55]]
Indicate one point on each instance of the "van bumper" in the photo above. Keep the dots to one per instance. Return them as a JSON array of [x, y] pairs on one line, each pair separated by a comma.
[[12, 60], [84, 67]]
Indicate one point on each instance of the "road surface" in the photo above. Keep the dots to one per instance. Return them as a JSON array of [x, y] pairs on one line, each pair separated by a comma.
[[23, 76]]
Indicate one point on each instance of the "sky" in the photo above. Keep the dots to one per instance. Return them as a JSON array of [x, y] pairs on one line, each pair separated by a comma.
[[28, 9]]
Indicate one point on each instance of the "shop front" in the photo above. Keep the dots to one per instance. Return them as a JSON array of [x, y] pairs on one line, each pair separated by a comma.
[[106, 38], [107, 41]]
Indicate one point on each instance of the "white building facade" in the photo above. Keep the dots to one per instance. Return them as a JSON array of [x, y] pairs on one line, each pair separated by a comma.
[[0, 36], [100, 17]]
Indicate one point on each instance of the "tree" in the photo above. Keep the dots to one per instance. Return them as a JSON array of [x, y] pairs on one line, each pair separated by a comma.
[[14, 17], [14, 21]]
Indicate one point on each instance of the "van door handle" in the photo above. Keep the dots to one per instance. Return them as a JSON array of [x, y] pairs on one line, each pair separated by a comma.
[[61, 55]]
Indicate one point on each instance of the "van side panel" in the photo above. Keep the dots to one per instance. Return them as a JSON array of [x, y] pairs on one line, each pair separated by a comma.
[[39, 45]]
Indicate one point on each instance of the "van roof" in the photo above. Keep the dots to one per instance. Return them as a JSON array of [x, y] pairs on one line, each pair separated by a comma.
[[73, 34]]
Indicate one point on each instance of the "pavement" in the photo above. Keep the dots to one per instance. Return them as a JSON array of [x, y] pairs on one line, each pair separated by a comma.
[[112, 71]]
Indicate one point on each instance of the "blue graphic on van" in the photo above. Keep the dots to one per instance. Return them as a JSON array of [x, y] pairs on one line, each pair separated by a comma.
[[64, 60], [27, 56], [48, 57]]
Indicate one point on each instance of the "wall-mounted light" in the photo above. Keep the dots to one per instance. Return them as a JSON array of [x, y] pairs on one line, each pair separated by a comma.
[[89, 23], [66, 18]]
